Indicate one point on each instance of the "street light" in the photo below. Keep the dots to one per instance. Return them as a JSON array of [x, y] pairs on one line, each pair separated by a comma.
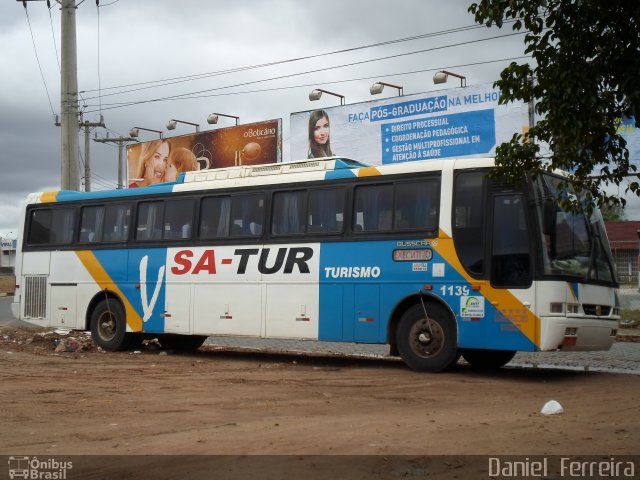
[[213, 118], [317, 93], [173, 122], [377, 88], [136, 130], [442, 76]]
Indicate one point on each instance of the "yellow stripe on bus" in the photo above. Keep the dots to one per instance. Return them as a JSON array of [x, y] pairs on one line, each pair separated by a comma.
[[49, 197], [368, 172], [102, 278], [502, 299]]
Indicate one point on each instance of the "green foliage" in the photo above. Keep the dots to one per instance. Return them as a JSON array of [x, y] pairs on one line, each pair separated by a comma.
[[584, 76], [612, 212]]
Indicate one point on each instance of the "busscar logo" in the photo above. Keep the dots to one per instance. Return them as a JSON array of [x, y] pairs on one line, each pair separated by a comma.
[[36, 469]]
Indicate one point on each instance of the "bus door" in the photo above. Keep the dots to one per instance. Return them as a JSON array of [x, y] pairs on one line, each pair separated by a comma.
[[511, 264], [492, 237]]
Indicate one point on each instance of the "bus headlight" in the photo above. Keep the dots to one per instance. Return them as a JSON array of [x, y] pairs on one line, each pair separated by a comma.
[[556, 307]]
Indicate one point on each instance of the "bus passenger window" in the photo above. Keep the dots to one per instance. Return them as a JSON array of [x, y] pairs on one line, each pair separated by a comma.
[[416, 206], [53, 226], [116, 223], [39, 227], [326, 210], [247, 212], [91, 224], [149, 225], [373, 208], [178, 216], [215, 213], [289, 212]]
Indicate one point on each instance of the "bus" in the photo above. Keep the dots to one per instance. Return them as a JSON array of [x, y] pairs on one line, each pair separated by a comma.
[[433, 258]]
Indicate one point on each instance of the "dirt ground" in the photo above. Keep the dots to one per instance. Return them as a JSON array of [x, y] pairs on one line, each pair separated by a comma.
[[7, 284], [218, 401]]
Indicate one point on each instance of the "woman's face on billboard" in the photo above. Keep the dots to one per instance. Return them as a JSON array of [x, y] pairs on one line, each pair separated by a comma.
[[156, 166], [321, 131]]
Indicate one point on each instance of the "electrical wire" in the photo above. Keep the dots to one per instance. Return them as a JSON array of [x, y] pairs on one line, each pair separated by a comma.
[[253, 82], [199, 76], [33, 40], [332, 82], [55, 46]]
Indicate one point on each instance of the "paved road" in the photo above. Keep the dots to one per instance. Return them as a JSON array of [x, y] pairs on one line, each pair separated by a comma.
[[623, 357]]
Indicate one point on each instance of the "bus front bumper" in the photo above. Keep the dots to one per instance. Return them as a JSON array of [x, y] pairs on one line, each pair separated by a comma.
[[577, 334]]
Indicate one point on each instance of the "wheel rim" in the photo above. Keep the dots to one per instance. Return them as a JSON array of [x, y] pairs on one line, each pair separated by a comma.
[[107, 326], [426, 338]]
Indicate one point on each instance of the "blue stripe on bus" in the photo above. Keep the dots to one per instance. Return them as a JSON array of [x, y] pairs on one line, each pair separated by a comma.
[[340, 174], [71, 195], [356, 309], [125, 269]]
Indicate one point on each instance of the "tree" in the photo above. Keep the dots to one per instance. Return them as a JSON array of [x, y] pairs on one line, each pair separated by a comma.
[[585, 77], [610, 213]]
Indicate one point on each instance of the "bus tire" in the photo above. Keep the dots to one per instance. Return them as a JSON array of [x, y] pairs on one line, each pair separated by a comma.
[[109, 326], [181, 342], [488, 359], [427, 344]]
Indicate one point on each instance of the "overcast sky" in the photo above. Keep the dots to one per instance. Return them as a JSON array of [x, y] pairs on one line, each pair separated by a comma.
[[127, 42]]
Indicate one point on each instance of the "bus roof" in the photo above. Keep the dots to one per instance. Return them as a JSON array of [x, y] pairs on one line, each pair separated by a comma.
[[318, 169]]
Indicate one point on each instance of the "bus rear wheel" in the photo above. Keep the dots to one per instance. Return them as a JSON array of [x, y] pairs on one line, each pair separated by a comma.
[[181, 342], [427, 339], [109, 326], [487, 359]]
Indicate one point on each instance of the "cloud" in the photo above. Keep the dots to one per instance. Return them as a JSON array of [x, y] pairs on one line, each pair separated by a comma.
[[149, 40]]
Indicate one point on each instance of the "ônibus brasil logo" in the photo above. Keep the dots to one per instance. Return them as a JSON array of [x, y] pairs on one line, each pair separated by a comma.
[[36, 469]]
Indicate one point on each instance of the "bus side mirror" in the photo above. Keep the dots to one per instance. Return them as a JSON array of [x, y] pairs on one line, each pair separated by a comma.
[[548, 215]]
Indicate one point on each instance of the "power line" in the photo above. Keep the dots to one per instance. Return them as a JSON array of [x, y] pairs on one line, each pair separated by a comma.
[[33, 40], [332, 82], [253, 82], [199, 76], [55, 46]]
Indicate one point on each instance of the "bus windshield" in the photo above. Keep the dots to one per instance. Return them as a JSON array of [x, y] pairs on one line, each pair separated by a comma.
[[574, 244]]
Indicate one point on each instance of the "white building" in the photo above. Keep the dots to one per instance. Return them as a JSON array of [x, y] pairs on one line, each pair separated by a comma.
[[8, 253]]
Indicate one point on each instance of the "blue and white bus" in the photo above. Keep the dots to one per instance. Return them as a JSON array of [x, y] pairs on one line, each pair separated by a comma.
[[433, 258]]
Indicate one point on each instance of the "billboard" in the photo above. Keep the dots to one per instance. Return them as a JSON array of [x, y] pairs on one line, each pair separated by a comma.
[[631, 134], [163, 160], [459, 122]]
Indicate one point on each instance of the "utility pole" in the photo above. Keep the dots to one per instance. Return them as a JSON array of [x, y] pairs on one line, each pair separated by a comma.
[[121, 141], [70, 178], [69, 175], [87, 159]]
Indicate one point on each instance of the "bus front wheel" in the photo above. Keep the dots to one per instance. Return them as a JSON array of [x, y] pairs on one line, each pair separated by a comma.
[[488, 359], [109, 326], [427, 339]]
